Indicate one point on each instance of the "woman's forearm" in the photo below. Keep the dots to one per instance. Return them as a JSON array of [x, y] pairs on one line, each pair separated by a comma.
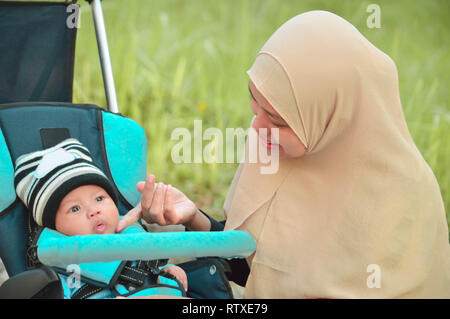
[[199, 222]]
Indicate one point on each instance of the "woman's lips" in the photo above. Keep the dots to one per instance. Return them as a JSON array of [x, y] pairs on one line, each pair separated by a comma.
[[267, 144]]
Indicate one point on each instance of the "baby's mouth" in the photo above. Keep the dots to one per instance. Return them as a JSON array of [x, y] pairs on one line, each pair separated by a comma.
[[99, 227]]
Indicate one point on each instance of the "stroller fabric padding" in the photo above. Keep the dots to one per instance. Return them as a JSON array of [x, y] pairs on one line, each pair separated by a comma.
[[126, 148], [7, 193]]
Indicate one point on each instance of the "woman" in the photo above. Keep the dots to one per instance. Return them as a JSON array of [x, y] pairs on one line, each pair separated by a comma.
[[354, 211]]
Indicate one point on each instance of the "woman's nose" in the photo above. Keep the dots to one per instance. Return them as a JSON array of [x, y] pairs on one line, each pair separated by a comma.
[[258, 122], [261, 123]]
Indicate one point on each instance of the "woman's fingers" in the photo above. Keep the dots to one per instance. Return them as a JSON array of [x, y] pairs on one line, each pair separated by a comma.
[[157, 207], [141, 185], [158, 202], [169, 211], [130, 218], [148, 190]]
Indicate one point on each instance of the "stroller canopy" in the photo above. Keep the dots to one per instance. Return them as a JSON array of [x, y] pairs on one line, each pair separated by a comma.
[[37, 52]]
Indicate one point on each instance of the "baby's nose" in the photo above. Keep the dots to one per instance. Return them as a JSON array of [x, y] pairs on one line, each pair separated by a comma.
[[94, 213]]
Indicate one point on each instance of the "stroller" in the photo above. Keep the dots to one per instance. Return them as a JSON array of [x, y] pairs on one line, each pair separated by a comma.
[[37, 49]]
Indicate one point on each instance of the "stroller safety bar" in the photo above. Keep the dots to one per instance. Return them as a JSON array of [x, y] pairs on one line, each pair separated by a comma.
[[54, 251]]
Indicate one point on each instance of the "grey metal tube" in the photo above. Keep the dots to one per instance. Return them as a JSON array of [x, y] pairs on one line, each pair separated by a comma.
[[105, 61]]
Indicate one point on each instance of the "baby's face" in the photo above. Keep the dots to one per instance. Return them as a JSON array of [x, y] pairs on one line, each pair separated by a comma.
[[87, 210]]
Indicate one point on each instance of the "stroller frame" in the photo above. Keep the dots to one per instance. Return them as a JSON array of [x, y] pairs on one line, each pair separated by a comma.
[[105, 60]]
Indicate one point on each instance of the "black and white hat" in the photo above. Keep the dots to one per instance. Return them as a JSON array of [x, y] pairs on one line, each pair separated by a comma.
[[43, 178]]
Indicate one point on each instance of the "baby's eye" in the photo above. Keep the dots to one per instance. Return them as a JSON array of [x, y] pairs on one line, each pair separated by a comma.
[[99, 199], [74, 209]]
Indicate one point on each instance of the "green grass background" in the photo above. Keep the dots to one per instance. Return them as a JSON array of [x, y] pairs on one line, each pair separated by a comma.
[[176, 61]]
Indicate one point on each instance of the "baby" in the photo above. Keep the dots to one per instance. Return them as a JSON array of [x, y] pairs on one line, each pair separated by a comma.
[[65, 191]]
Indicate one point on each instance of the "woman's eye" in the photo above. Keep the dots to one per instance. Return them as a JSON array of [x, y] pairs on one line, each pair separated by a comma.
[[278, 124], [99, 199], [74, 209]]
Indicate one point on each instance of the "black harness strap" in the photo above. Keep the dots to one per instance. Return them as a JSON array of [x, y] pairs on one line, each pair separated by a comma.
[[86, 291], [132, 276], [145, 273]]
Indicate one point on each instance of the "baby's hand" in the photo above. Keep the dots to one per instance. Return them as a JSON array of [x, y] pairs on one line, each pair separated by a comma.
[[179, 273]]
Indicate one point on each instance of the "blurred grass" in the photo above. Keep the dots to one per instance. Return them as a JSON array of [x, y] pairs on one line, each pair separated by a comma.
[[176, 61]]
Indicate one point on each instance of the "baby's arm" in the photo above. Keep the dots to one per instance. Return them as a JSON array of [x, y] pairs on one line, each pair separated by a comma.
[[178, 272]]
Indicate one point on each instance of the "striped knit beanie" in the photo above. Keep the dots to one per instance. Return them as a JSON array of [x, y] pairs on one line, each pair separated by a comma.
[[43, 178]]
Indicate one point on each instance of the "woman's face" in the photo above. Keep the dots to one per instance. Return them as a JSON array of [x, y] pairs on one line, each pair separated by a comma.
[[288, 144]]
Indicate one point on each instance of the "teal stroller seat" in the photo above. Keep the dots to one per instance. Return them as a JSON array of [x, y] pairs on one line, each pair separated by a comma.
[[38, 114]]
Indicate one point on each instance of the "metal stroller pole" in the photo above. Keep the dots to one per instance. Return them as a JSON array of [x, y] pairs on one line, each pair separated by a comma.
[[105, 61]]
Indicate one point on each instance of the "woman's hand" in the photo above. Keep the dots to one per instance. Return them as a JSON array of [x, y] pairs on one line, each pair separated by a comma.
[[167, 206], [162, 204]]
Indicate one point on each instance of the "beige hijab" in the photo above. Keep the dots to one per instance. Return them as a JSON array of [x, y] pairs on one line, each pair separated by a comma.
[[361, 214]]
